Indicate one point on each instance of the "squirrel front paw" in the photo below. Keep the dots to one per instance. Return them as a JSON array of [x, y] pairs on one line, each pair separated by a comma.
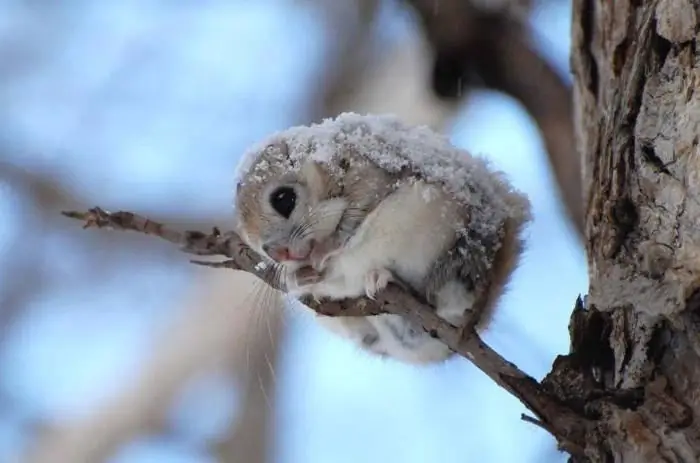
[[323, 251], [376, 280], [302, 280]]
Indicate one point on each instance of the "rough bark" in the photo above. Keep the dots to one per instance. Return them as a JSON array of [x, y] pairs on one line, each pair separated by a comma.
[[636, 343]]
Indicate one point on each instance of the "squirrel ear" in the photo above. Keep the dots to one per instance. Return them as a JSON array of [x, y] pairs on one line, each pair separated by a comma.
[[316, 179]]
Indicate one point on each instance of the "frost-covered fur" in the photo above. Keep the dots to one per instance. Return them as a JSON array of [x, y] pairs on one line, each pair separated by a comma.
[[376, 199]]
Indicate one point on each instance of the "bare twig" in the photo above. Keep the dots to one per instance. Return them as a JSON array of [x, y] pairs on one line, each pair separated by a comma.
[[477, 46], [564, 423]]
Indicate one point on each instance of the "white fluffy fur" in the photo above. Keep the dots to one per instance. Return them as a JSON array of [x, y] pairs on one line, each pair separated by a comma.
[[406, 233]]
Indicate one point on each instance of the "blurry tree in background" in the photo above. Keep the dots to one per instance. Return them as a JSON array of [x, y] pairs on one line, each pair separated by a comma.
[[114, 348]]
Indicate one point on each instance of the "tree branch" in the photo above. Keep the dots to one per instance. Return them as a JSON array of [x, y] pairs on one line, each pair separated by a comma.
[[563, 422]]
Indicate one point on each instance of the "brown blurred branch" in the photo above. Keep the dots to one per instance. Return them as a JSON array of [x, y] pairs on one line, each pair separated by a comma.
[[354, 50], [248, 439], [477, 46], [28, 276], [213, 337], [553, 415]]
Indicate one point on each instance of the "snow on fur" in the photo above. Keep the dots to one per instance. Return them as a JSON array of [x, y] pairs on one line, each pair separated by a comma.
[[393, 146]]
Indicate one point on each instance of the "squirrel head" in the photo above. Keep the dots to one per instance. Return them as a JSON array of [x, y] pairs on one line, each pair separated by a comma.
[[283, 210]]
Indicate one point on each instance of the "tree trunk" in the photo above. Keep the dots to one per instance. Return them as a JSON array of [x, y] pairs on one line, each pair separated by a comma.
[[637, 341]]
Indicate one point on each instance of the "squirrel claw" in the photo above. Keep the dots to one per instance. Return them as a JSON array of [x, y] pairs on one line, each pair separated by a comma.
[[375, 281]]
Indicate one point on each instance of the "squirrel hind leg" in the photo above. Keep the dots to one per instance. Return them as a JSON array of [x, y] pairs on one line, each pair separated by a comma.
[[461, 280], [401, 340], [455, 303], [450, 288]]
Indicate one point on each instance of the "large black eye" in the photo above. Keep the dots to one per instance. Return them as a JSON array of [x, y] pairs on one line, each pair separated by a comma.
[[283, 200]]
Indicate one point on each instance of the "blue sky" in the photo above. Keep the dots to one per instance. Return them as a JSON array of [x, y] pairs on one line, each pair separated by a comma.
[[123, 101]]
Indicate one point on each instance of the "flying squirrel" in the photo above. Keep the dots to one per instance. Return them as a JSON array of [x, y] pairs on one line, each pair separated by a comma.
[[343, 207]]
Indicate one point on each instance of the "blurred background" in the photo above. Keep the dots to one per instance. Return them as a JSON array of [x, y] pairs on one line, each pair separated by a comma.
[[114, 348]]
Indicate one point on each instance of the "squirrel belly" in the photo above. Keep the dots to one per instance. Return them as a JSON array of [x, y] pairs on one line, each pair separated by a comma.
[[404, 235]]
